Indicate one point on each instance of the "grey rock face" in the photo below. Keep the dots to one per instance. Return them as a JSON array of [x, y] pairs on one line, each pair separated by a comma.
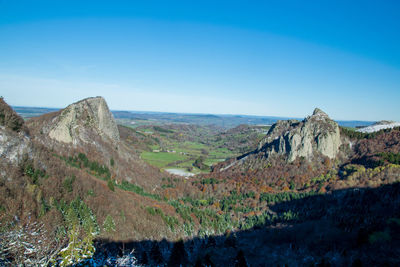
[[14, 146], [292, 139], [78, 121]]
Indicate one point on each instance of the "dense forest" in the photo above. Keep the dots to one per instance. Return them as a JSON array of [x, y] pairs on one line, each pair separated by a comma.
[[106, 203]]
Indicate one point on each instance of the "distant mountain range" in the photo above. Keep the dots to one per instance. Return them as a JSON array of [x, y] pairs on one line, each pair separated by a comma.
[[226, 121]]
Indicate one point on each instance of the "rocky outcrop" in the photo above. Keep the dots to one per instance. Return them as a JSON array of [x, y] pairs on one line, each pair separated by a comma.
[[14, 146], [293, 139], [9, 118], [77, 122], [15, 143]]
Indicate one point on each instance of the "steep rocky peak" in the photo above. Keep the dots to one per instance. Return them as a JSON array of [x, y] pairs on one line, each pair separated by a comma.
[[291, 139], [318, 115], [79, 121], [319, 112]]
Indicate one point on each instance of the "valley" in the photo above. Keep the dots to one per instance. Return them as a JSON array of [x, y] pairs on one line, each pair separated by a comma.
[[199, 133], [299, 192]]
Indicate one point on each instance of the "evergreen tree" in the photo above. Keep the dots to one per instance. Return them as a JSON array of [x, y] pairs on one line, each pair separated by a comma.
[[211, 242], [110, 184], [198, 263], [77, 250], [240, 260], [178, 254], [144, 258], [230, 241], [207, 261], [155, 254], [109, 224]]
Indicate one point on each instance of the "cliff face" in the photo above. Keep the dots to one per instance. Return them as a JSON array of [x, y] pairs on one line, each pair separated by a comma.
[[75, 122], [14, 140], [292, 139]]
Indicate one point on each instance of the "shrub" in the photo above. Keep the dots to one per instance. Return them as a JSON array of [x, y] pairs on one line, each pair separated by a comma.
[[9, 118], [110, 185], [169, 220], [290, 216], [292, 185], [137, 189], [33, 173], [151, 210], [379, 237], [68, 183], [44, 207], [90, 192], [393, 158], [283, 197], [209, 181]]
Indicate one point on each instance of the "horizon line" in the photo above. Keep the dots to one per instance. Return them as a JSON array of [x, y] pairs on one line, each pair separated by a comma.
[[189, 113]]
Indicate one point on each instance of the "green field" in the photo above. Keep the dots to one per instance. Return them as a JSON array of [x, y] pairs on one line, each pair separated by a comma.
[[179, 147], [162, 159], [185, 155]]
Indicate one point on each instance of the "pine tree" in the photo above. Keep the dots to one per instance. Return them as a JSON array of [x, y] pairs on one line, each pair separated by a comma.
[[109, 224], [178, 255], [207, 261], [211, 242], [155, 254], [77, 250], [145, 260], [198, 263], [240, 260]]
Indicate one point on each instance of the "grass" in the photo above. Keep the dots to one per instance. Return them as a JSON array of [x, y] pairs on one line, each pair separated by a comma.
[[192, 151], [186, 152], [210, 161], [221, 153], [161, 159]]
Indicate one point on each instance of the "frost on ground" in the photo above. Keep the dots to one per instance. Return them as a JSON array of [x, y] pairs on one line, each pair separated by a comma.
[[26, 246], [379, 126]]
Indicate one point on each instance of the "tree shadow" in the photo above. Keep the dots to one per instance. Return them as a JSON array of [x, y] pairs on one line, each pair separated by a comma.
[[349, 227]]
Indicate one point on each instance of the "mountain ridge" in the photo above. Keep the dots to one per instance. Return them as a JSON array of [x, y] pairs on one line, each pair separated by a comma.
[[262, 196]]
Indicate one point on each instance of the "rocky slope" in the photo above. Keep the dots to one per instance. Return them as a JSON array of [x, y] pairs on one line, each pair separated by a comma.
[[292, 139], [14, 139], [75, 153], [88, 126]]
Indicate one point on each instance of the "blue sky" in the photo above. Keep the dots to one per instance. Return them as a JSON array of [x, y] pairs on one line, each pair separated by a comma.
[[278, 58]]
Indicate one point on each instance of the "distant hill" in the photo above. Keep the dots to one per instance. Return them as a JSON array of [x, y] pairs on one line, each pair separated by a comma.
[[74, 186], [380, 125], [29, 112], [225, 121]]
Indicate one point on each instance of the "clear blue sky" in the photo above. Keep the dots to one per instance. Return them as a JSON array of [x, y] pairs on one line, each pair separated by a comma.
[[278, 58]]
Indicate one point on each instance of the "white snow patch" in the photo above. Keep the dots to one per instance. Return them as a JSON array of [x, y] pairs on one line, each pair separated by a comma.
[[180, 172], [377, 127]]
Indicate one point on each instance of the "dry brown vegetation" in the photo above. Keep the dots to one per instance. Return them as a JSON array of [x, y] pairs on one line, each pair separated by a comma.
[[270, 210], [9, 118]]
